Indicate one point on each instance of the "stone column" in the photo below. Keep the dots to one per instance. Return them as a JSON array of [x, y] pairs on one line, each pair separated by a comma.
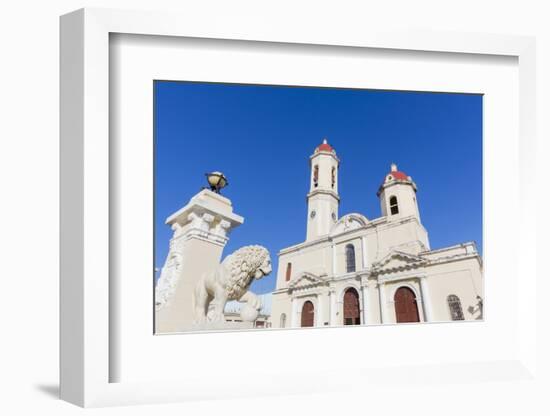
[[426, 300], [383, 303], [333, 247], [364, 251], [294, 313], [200, 232], [365, 295], [332, 308], [320, 317]]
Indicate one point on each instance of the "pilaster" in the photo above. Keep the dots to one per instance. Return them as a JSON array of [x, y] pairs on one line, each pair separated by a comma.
[[426, 300], [383, 303]]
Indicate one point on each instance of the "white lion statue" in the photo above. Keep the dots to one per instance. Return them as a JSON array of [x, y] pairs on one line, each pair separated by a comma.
[[230, 281]]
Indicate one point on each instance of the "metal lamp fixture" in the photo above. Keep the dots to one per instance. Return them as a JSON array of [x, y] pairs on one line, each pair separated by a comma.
[[216, 181]]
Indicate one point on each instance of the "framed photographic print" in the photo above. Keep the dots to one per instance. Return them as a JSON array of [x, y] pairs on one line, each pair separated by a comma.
[[329, 268], [276, 201]]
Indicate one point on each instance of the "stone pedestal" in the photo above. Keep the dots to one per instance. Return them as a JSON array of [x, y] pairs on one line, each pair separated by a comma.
[[201, 231]]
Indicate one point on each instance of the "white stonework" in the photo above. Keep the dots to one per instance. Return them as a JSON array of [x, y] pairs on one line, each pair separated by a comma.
[[385, 264], [231, 281], [200, 232]]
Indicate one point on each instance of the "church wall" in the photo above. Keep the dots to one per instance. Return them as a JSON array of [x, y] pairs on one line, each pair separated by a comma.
[[314, 259], [317, 259], [321, 302], [461, 278], [280, 304], [403, 236], [341, 264]]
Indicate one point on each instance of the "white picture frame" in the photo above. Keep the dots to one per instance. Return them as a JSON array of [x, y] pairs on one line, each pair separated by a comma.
[[86, 306]]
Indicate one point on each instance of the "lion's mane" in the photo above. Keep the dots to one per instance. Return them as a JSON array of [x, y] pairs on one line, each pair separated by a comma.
[[242, 265]]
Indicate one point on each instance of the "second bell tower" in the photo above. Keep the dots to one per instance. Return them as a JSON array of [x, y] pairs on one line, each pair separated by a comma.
[[322, 199]]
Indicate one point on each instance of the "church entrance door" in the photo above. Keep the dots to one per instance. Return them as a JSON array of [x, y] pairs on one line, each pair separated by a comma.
[[352, 310], [406, 309], [308, 314]]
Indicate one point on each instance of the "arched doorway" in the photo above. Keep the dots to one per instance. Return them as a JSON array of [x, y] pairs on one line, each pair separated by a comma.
[[406, 309], [308, 314], [352, 310]]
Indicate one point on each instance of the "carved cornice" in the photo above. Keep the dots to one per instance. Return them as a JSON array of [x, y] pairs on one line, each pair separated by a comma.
[[205, 226], [380, 223], [397, 254], [328, 192], [411, 262], [365, 273], [456, 257], [306, 280], [416, 262], [396, 278]]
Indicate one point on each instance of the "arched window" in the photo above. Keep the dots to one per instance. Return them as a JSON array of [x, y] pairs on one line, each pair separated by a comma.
[[308, 314], [288, 271], [455, 308], [283, 320], [394, 209], [333, 176], [350, 258], [315, 175], [352, 310]]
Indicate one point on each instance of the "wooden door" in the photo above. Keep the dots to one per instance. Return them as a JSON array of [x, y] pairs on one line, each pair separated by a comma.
[[406, 309], [352, 310], [308, 314]]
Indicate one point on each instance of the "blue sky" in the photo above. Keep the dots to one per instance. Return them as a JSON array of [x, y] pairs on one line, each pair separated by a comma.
[[262, 136]]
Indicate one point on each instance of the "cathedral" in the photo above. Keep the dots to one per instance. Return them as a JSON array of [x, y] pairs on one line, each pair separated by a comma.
[[354, 271]]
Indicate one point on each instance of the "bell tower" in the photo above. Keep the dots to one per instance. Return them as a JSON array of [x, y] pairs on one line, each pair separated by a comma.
[[398, 195], [322, 199]]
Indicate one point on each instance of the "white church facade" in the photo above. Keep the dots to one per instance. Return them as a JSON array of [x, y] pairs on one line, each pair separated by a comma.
[[351, 270]]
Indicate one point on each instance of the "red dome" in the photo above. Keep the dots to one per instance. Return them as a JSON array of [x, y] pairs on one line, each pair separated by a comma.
[[399, 175], [324, 147], [395, 175]]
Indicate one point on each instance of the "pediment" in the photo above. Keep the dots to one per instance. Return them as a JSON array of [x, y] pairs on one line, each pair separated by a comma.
[[349, 222], [397, 261], [305, 280]]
